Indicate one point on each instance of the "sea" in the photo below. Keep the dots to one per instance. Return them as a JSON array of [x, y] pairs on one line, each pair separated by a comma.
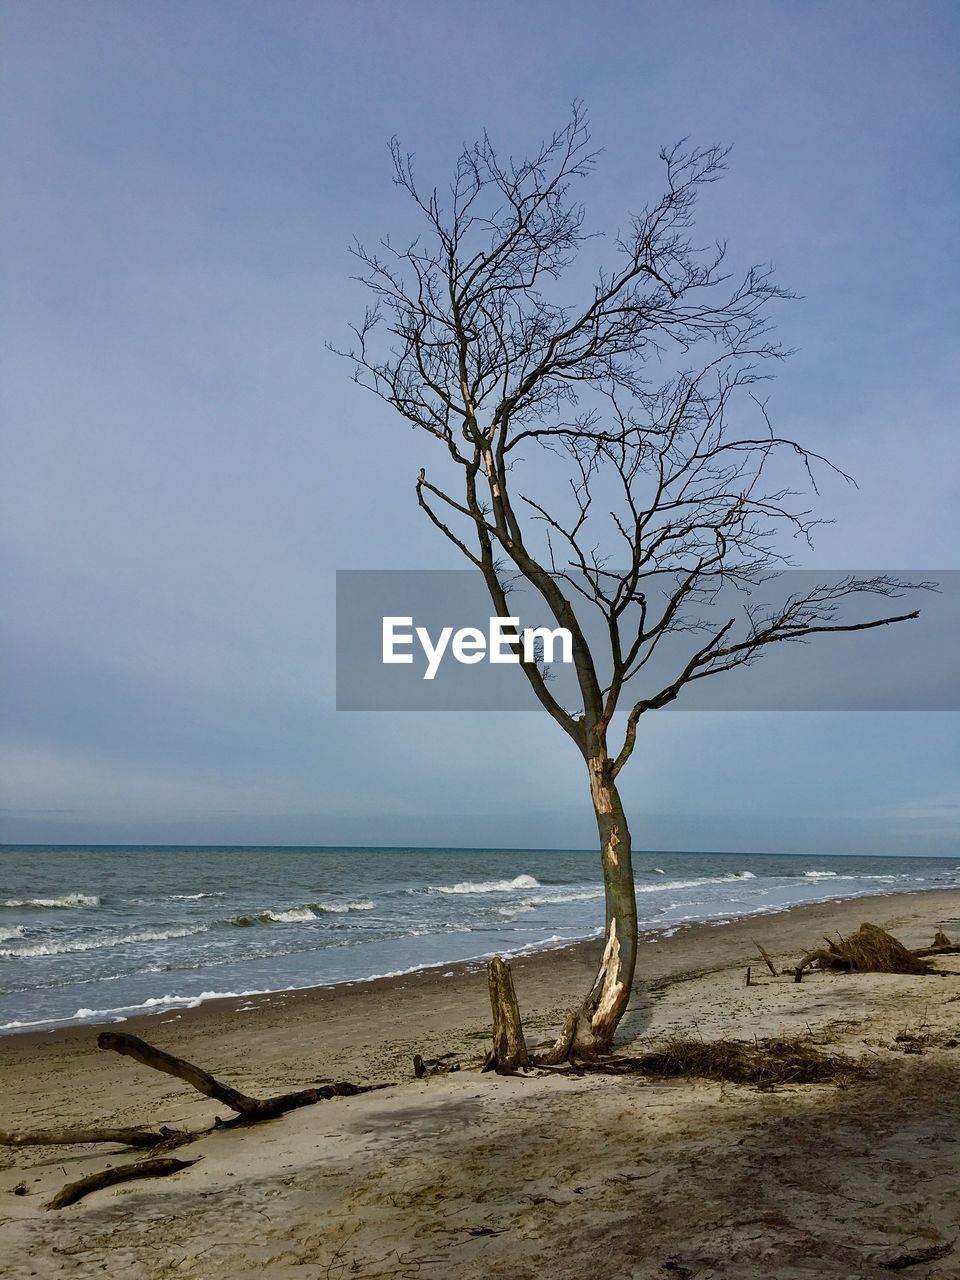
[[94, 934]]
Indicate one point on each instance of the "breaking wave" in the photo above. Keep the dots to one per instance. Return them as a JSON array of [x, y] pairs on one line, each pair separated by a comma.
[[68, 900], [163, 1002], [295, 915], [338, 908], [95, 944], [488, 886], [300, 915], [664, 885]]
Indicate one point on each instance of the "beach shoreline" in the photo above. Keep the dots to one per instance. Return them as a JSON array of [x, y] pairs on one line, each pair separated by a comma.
[[517, 1177], [119, 934], [571, 955], [547, 979]]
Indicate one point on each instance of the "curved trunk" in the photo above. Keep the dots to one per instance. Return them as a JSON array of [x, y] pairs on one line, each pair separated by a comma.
[[589, 1030]]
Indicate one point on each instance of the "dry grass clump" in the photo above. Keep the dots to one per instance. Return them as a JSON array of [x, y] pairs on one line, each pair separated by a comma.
[[869, 950], [790, 1060]]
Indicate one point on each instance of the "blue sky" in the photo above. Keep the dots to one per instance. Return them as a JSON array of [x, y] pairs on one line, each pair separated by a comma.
[[186, 465]]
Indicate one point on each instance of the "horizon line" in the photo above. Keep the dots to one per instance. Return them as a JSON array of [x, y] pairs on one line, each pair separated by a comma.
[[444, 848]]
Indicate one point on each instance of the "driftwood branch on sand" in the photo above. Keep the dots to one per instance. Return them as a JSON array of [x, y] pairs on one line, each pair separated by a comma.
[[941, 946], [69, 1137], [765, 956], [75, 1191], [248, 1110]]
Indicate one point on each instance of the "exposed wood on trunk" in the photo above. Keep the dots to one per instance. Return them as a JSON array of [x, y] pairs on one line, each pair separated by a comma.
[[587, 1034], [509, 1053], [75, 1191], [610, 988], [68, 1137]]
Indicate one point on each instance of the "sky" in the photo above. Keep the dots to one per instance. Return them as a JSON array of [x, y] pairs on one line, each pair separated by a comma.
[[186, 465]]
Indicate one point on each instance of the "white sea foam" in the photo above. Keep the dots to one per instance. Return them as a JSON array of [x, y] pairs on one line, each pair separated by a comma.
[[164, 1002], [836, 875], [666, 885], [561, 896], [488, 886], [338, 908], [8, 933], [68, 900], [94, 944], [192, 897], [19, 1025], [312, 910], [294, 915], [573, 895]]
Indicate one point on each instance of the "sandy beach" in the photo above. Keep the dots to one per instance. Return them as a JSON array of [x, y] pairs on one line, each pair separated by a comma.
[[471, 1176]]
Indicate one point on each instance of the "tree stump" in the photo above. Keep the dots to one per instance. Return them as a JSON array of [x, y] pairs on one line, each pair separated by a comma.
[[509, 1052]]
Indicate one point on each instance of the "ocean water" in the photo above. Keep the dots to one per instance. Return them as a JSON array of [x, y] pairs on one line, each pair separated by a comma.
[[93, 933]]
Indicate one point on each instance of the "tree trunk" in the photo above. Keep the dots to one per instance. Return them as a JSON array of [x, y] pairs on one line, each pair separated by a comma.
[[589, 1030]]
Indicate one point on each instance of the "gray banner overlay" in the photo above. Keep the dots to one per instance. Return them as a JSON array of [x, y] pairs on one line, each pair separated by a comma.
[[908, 666]]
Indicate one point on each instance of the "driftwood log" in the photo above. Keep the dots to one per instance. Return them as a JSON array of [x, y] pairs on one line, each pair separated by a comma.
[[74, 1191], [68, 1137], [940, 946], [247, 1108], [766, 959], [509, 1052]]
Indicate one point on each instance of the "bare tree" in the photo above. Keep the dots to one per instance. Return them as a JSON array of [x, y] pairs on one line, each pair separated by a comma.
[[639, 391]]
